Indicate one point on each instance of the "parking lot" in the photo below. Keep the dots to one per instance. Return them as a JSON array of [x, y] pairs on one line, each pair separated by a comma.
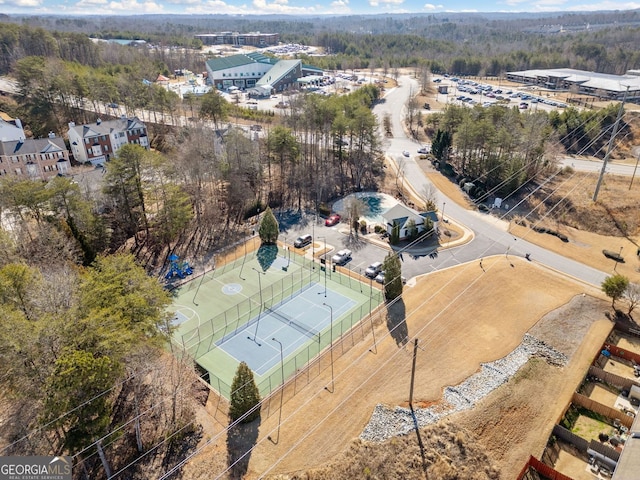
[[363, 252], [470, 93]]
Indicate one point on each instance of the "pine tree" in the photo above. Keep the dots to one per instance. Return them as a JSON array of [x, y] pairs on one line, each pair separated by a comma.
[[245, 396], [269, 228], [392, 276]]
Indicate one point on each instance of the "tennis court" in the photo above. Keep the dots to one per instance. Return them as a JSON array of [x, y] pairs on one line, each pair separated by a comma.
[[235, 312], [293, 323]]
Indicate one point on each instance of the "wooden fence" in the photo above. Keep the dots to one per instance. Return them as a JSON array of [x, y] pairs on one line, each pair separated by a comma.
[[612, 379], [604, 450], [586, 402], [628, 328], [569, 437], [622, 353], [542, 469]]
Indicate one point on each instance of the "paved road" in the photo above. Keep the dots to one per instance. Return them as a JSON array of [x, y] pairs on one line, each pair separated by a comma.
[[595, 165], [490, 233]]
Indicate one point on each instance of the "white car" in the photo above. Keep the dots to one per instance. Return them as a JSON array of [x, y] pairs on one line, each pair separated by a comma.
[[342, 257], [373, 269], [406, 153]]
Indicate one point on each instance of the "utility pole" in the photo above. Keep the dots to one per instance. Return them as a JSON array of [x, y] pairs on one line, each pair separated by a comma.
[[413, 372], [610, 146], [635, 169]]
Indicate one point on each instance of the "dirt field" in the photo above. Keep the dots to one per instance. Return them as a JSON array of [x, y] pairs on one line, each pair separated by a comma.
[[583, 246], [569, 463]]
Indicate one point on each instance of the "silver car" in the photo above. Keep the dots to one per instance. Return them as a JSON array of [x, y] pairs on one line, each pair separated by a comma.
[[373, 269], [342, 257]]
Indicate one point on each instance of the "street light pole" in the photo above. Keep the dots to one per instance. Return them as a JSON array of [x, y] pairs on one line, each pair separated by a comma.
[[255, 334], [331, 346], [442, 214], [281, 387], [373, 331]]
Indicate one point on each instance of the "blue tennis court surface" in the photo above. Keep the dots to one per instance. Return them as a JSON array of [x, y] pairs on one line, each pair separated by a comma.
[[294, 322]]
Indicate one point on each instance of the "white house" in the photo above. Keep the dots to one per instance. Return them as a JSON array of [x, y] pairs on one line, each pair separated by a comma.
[[403, 217]]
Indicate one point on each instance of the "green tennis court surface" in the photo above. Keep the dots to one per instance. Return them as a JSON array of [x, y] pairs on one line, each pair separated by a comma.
[[235, 312]]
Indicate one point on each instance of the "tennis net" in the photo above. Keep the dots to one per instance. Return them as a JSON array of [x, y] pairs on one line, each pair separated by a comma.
[[311, 333]]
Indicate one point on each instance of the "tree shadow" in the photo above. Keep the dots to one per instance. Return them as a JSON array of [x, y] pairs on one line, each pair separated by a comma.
[[354, 242], [396, 322], [266, 255], [241, 439], [290, 218], [180, 446]]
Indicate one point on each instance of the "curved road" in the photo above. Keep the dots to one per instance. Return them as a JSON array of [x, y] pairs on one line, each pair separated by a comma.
[[490, 233]]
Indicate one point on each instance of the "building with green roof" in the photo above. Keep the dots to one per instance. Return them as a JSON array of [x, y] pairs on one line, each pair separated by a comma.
[[256, 71]]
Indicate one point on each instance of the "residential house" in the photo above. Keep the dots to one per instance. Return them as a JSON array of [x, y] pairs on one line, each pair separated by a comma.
[[34, 158], [403, 218], [98, 142]]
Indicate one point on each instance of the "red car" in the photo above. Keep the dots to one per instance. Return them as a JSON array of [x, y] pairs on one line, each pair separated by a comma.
[[332, 220]]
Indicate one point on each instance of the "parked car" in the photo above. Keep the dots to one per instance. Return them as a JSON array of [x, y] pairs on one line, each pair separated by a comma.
[[406, 153], [373, 270], [332, 220], [380, 277], [342, 257], [303, 241], [424, 150], [113, 105]]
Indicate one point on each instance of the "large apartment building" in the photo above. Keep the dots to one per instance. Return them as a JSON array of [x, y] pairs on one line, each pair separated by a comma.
[[97, 142], [255, 39]]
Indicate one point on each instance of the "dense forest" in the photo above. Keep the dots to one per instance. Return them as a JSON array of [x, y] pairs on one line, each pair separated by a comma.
[[463, 44], [498, 150]]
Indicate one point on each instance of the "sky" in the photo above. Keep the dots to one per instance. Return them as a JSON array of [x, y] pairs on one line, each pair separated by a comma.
[[300, 7]]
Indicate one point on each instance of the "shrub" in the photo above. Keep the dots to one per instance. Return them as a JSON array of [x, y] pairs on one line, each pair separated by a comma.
[[394, 238], [378, 229], [324, 210], [613, 256]]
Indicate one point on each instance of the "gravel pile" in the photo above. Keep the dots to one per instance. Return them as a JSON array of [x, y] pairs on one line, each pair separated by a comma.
[[388, 422]]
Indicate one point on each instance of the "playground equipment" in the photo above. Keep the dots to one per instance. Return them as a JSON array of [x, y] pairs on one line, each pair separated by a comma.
[[177, 268]]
